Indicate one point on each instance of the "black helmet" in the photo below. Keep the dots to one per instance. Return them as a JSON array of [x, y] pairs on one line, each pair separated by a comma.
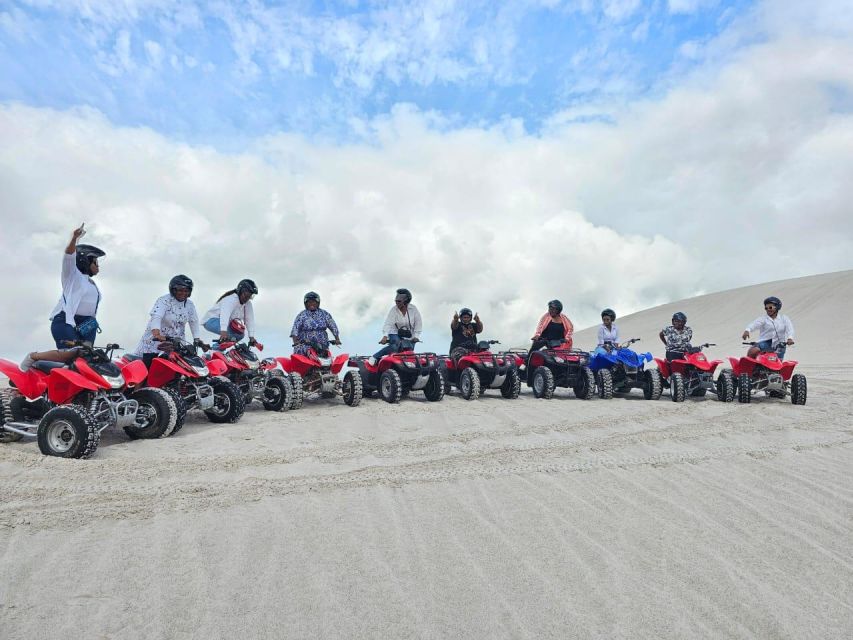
[[679, 316], [405, 292], [180, 280], [557, 304], [609, 312], [246, 285], [85, 254], [776, 302], [311, 295], [465, 311]]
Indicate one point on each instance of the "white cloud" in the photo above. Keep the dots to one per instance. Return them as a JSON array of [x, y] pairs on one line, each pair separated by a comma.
[[689, 6]]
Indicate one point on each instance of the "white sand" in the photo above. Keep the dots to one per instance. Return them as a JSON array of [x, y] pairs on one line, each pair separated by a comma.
[[489, 519]]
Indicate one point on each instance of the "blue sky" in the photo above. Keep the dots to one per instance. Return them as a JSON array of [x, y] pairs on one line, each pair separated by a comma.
[[223, 73]]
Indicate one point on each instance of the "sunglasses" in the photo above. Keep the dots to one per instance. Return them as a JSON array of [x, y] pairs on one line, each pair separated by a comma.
[[770, 307]]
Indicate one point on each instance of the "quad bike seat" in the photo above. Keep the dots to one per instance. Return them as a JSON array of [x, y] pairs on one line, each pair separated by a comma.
[[45, 366], [130, 357]]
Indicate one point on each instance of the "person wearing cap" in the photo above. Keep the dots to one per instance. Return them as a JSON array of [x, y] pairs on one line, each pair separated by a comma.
[[233, 315], [554, 325], [169, 317], [776, 331], [403, 315], [463, 331], [74, 316], [608, 332], [676, 337], [312, 325]]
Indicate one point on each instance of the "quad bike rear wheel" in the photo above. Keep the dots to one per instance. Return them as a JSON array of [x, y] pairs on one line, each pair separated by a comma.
[[744, 388], [652, 385], [676, 387], [352, 389], [8, 397], [298, 392], [511, 388], [68, 431], [799, 389], [434, 389], [543, 383], [469, 384], [278, 394], [586, 385], [726, 386], [227, 401], [390, 386], [604, 383], [156, 416]]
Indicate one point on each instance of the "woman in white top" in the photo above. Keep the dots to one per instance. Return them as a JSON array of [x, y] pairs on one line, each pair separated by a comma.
[[73, 317], [403, 315], [233, 315], [169, 317], [776, 331], [608, 333]]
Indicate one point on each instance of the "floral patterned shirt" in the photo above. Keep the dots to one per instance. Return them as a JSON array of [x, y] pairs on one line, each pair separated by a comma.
[[171, 317], [677, 340], [312, 326]]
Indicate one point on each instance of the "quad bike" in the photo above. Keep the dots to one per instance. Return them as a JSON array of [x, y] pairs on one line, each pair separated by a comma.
[[256, 378], [693, 375], [192, 383], [481, 369], [67, 406], [397, 374], [558, 365], [769, 373], [623, 369], [317, 374]]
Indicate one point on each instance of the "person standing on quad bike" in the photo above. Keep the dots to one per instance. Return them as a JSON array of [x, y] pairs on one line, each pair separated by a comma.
[[554, 325], [169, 317], [608, 333], [312, 326], [73, 317], [676, 337], [776, 332], [463, 330], [402, 315], [233, 315]]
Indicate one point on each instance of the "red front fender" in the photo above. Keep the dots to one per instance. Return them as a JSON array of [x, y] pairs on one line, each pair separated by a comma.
[[339, 362], [285, 364], [134, 373], [217, 367], [163, 371], [64, 384]]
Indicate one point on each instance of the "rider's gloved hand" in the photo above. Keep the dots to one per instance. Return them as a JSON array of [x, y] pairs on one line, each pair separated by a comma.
[[252, 342]]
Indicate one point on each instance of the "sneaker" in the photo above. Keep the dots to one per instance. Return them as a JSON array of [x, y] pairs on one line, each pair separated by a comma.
[[26, 363], [371, 361]]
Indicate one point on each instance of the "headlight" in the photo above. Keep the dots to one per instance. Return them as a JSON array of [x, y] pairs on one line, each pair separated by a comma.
[[116, 382], [202, 371], [410, 364], [253, 364], [558, 359], [489, 363]]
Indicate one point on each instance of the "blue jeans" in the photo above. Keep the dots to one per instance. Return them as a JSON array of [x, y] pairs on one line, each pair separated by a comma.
[[212, 325], [62, 331], [766, 346], [392, 347]]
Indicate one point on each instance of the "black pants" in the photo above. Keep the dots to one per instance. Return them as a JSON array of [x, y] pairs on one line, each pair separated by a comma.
[[674, 355], [148, 358]]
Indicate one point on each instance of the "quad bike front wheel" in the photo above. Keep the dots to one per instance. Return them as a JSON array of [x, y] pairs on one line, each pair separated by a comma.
[[298, 391], [652, 384], [543, 383], [180, 408], [726, 386], [68, 431], [511, 388], [434, 389], [278, 394], [352, 389], [676, 387], [390, 386], [227, 401], [469, 384], [744, 388], [586, 385], [156, 415]]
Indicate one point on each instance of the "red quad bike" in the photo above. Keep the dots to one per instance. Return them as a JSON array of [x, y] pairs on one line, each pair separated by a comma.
[[399, 373], [67, 406], [317, 373], [481, 369], [254, 377], [192, 383], [558, 365], [769, 373], [693, 375]]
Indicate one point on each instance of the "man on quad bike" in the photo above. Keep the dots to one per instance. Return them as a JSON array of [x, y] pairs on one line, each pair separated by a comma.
[[677, 337], [463, 330], [554, 325], [312, 325], [776, 332], [233, 315], [402, 315]]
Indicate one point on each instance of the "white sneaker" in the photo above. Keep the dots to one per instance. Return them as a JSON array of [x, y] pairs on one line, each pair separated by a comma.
[[26, 363], [371, 361]]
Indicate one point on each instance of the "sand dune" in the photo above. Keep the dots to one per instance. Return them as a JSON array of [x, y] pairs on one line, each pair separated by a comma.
[[487, 519]]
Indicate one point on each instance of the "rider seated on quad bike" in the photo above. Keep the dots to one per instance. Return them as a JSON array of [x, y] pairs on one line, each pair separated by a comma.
[[402, 315], [608, 333], [677, 337], [776, 331], [169, 317], [311, 326], [554, 325], [463, 330], [79, 303], [233, 315]]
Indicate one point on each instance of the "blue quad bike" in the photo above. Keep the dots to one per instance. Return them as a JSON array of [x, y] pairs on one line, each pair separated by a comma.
[[623, 369]]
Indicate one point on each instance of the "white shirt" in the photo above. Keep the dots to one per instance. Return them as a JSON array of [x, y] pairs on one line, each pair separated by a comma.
[[776, 330], [396, 320], [80, 294], [230, 308], [608, 335], [171, 317]]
